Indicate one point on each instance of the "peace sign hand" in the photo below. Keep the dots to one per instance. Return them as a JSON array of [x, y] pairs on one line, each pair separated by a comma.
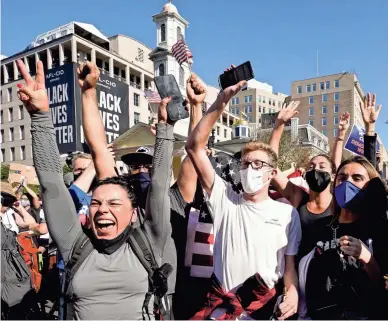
[[33, 94]]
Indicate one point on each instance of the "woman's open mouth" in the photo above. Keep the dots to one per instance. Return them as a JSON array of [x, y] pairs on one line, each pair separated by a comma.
[[105, 225]]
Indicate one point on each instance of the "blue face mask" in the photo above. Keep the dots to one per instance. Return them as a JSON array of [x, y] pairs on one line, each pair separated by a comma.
[[348, 195]]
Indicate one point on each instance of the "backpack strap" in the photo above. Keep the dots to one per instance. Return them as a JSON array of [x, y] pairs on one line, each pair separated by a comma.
[[157, 276], [81, 250]]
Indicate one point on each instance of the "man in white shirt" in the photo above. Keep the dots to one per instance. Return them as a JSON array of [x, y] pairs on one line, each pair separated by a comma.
[[256, 238]]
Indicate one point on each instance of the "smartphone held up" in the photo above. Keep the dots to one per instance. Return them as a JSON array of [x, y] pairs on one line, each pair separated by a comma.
[[235, 75], [168, 87]]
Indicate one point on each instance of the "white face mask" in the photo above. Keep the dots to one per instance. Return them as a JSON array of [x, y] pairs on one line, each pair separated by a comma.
[[25, 203], [252, 180]]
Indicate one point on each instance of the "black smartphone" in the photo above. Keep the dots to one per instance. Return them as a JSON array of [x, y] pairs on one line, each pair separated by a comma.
[[235, 75], [168, 87], [84, 72]]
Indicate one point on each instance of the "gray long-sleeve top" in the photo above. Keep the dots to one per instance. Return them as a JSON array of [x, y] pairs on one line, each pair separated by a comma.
[[105, 286]]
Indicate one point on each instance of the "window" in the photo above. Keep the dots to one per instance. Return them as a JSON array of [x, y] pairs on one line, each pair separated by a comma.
[[311, 100], [314, 86], [324, 110], [336, 96], [3, 155], [335, 120], [259, 108], [136, 99], [2, 136], [311, 111], [311, 122], [324, 97], [259, 99], [9, 91], [248, 109], [264, 100], [140, 54], [248, 99], [336, 108], [335, 134], [232, 110], [336, 83], [163, 32], [218, 130], [263, 110], [324, 121], [12, 154], [299, 89], [235, 101], [322, 85], [21, 112], [1, 117], [11, 134], [324, 132], [327, 84], [181, 77], [22, 152], [161, 70], [250, 118], [269, 101], [22, 133], [237, 110], [10, 114], [179, 35], [136, 118], [308, 88], [225, 133]]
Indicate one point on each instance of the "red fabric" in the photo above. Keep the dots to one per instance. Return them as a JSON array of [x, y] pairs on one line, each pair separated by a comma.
[[297, 173], [250, 297]]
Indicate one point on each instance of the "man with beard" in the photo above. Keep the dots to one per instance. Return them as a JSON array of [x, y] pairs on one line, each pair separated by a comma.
[[113, 274]]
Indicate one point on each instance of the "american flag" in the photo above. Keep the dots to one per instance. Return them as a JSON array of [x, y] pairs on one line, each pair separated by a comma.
[[200, 233], [152, 97], [181, 52]]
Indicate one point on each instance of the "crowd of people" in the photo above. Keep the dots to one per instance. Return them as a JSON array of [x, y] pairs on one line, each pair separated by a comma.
[[99, 244]]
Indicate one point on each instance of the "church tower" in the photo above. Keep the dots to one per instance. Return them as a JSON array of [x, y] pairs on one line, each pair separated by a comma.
[[170, 27]]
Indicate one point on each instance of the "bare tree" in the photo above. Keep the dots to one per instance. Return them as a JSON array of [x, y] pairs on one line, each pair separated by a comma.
[[289, 151]]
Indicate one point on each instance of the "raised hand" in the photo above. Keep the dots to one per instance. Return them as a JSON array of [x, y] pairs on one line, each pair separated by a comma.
[[195, 90], [162, 110], [343, 125], [33, 94], [286, 113], [369, 112], [229, 92], [92, 74]]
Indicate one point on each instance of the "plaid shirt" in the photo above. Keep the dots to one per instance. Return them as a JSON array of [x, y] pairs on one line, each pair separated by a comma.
[[250, 297]]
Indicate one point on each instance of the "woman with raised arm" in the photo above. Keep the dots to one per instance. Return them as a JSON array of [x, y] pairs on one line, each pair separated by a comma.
[[319, 176], [342, 277], [112, 280]]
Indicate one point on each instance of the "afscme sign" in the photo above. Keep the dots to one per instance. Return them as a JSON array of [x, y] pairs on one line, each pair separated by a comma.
[[65, 106]]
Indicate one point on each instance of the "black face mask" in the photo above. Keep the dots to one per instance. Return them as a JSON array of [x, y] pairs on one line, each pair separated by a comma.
[[110, 246], [141, 182], [318, 180]]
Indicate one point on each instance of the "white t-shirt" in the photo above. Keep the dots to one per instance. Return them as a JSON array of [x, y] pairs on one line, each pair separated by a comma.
[[250, 237], [9, 221]]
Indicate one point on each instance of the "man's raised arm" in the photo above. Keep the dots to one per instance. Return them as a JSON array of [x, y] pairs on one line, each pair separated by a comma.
[[198, 139], [94, 130], [187, 177]]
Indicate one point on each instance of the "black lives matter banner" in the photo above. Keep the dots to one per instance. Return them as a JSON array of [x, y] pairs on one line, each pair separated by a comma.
[[60, 83], [113, 105], [65, 107]]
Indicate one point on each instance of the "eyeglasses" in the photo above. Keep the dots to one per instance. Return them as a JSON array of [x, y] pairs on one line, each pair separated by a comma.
[[256, 164]]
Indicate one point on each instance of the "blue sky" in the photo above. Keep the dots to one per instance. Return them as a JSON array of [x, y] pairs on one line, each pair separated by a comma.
[[279, 37]]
